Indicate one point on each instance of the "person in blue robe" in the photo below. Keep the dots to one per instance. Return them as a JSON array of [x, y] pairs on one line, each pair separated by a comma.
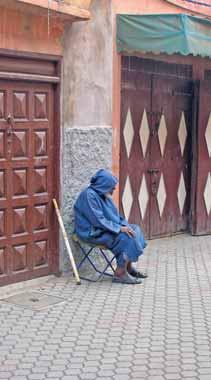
[[97, 221]]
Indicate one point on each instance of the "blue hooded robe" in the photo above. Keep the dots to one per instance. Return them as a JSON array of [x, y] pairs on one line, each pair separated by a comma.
[[97, 220]]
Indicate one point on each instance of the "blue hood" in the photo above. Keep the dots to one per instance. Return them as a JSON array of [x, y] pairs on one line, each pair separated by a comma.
[[103, 182]]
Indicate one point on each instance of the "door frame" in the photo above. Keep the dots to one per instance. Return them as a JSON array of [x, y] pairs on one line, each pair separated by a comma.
[[43, 68]]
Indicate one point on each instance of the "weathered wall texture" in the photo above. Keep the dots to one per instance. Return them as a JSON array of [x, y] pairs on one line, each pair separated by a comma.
[[84, 153], [85, 150], [88, 69], [29, 33], [144, 6], [87, 111], [204, 8]]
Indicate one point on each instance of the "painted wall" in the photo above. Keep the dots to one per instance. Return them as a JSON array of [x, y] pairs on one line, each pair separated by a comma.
[[88, 69], [143, 6], [194, 6], [29, 33]]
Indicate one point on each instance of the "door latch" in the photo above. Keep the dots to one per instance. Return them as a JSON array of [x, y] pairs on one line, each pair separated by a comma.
[[10, 127], [153, 170], [154, 188], [9, 130]]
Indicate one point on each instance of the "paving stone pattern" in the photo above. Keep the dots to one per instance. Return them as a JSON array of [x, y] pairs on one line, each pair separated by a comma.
[[159, 330]]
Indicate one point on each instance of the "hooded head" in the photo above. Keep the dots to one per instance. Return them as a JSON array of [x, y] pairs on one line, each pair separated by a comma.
[[103, 182]]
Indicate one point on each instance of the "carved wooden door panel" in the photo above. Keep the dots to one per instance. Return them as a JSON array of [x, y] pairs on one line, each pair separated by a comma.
[[28, 242], [155, 152], [135, 148], [202, 217], [170, 155]]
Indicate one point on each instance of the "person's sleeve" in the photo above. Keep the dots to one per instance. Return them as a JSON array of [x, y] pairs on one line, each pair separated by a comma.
[[97, 218], [123, 221]]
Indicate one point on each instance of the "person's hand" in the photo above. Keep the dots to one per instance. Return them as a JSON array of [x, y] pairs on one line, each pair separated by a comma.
[[128, 230]]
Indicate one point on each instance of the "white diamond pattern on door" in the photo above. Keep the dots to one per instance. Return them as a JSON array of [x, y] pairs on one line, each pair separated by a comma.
[[207, 194], [208, 135], [181, 194], [128, 133], [127, 198], [154, 164], [143, 197], [144, 133], [171, 106], [161, 195], [162, 134], [182, 133], [202, 222], [135, 144]]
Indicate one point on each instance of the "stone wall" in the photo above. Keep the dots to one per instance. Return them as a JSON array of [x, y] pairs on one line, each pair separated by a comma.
[[87, 105], [85, 149]]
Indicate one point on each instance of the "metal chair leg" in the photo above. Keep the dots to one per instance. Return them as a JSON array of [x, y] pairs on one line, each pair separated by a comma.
[[102, 272]]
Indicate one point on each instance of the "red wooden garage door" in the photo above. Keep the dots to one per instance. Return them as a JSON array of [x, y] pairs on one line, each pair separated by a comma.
[[28, 242], [155, 151], [203, 173]]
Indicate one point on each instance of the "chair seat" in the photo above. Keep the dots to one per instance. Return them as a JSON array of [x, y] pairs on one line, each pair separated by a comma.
[[76, 239], [86, 252]]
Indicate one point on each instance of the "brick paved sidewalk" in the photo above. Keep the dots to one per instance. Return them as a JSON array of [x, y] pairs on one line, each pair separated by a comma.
[[159, 330]]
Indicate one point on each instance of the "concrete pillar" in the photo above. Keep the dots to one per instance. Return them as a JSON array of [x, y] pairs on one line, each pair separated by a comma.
[[87, 104]]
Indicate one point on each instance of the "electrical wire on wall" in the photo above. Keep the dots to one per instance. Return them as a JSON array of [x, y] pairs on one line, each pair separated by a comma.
[[59, 3], [48, 18]]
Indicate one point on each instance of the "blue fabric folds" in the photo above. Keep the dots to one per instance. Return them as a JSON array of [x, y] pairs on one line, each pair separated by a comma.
[[97, 220]]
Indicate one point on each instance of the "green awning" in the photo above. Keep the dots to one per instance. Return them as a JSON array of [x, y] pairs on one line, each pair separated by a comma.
[[164, 33]]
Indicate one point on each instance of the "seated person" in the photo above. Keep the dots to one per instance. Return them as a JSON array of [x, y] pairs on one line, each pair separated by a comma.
[[97, 221]]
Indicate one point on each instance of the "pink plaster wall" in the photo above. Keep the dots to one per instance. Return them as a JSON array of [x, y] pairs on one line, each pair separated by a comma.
[[144, 6], [202, 9], [159, 6], [20, 31]]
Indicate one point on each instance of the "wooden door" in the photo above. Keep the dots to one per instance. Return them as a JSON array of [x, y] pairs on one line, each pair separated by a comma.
[[155, 152], [28, 237], [170, 155], [135, 148], [202, 161]]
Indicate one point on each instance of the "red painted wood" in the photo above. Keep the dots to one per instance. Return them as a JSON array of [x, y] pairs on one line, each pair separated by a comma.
[[171, 96], [136, 95], [157, 94], [27, 65], [27, 244], [203, 219]]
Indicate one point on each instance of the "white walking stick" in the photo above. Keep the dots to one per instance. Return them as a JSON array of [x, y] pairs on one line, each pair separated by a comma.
[[78, 281]]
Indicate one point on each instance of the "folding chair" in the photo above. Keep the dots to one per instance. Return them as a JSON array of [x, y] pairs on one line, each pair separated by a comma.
[[86, 256]]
